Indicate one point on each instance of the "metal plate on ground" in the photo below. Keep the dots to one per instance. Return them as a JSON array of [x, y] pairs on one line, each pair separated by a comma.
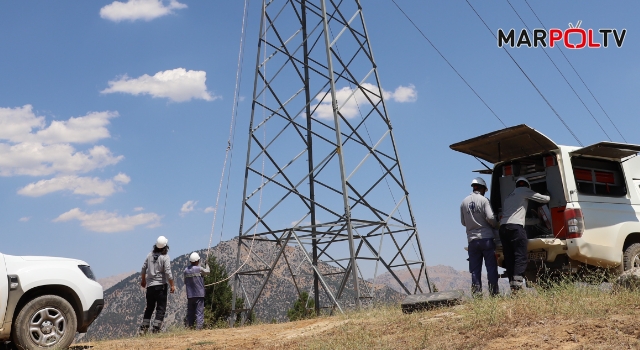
[[427, 301]]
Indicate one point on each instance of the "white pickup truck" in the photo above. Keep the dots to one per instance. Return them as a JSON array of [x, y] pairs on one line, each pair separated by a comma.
[[46, 300], [593, 219]]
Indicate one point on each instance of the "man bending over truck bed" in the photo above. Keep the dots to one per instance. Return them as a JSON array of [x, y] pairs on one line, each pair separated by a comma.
[[512, 232]]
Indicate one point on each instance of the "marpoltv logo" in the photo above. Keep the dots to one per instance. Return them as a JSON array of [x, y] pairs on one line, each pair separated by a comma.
[[572, 37]]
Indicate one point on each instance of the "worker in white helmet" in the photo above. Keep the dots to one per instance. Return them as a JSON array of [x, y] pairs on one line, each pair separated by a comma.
[[512, 232], [156, 272], [194, 283], [476, 215]]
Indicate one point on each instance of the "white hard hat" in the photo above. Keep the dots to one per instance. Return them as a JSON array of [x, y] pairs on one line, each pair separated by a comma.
[[194, 257], [479, 181], [521, 178], [161, 242]]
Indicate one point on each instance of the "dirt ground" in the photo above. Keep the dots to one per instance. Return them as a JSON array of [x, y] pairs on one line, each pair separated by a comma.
[[613, 333], [606, 332], [256, 337]]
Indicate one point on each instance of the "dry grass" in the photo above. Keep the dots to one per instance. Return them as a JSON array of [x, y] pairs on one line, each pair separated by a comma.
[[567, 316]]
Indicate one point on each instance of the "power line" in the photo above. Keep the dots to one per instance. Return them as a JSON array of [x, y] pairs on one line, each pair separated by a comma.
[[583, 82], [449, 63], [529, 79], [563, 77]]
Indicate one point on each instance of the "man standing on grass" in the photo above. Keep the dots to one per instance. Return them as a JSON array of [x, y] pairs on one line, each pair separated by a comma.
[[194, 282], [156, 272], [512, 232], [476, 215]]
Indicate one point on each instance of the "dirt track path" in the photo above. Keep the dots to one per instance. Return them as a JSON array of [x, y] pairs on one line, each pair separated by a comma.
[[258, 336], [390, 329]]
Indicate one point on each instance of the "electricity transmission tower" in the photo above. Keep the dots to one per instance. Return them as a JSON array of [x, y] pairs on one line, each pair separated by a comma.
[[323, 177]]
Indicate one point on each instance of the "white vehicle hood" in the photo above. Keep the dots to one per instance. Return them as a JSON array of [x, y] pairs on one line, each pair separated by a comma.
[[16, 262], [51, 258]]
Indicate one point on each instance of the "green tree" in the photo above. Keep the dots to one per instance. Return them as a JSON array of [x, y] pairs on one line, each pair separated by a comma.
[[302, 308], [218, 297], [240, 305]]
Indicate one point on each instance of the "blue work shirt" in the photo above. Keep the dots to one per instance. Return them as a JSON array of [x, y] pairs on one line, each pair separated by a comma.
[[194, 280]]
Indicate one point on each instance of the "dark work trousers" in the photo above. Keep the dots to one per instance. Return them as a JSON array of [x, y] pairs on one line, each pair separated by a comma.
[[514, 246], [480, 249], [156, 300]]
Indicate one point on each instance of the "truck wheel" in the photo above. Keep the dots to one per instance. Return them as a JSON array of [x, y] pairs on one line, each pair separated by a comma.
[[46, 321], [631, 256]]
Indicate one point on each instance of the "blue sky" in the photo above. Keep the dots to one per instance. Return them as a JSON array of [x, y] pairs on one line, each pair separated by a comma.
[[114, 116]]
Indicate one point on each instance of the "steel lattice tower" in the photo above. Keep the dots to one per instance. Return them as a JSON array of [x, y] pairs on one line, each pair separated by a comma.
[[322, 175]]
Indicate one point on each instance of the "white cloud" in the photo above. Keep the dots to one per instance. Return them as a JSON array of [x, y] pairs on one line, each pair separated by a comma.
[[188, 207], [86, 129], [122, 178], [32, 148], [36, 159], [178, 85], [17, 125], [139, 9], [87, 186], [103, 221], [94, 201], [402, 94], [209, 209], [25, 219], [138, 209], [356, 101]]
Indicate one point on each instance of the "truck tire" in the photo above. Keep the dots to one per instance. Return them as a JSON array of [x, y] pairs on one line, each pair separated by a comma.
[[631, 256], [47, 321]]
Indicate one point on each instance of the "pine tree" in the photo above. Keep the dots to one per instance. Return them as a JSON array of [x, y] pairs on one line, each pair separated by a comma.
[[303, 308], [218, 297]]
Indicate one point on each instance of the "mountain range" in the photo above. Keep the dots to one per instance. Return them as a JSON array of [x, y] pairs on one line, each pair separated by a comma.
[[125, 299]]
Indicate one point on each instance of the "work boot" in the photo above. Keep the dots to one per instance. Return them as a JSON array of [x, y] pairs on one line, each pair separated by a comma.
[[143, 330], [476, 291], [516, 285], [494, 290], [155, 330]]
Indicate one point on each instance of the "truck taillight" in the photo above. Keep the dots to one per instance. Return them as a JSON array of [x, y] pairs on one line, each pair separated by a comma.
[[575, 222], [549, 161]]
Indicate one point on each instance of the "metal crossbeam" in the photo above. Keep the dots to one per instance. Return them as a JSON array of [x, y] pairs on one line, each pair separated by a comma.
[[317, 94]]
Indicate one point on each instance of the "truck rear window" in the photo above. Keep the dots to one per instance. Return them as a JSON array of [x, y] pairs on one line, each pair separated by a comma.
[[598, 177]]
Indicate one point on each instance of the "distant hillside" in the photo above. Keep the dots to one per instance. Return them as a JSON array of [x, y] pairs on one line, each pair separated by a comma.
[[108, 282], [125, 301], [443, 277]]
